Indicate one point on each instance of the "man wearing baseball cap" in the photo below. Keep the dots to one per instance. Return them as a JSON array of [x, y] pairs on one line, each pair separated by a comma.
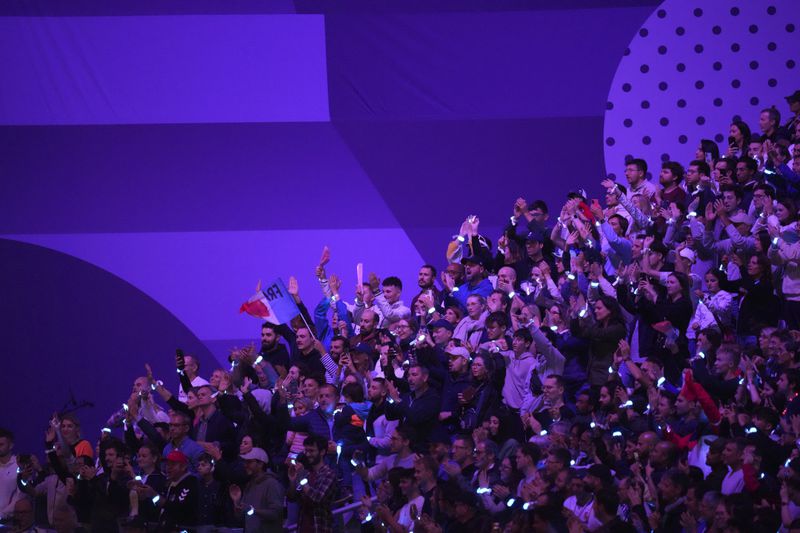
[[458, 379], [476, 282], [180, 505], [261, 502]]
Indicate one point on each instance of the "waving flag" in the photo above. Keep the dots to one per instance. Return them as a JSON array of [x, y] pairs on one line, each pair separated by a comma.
[[273, 304]]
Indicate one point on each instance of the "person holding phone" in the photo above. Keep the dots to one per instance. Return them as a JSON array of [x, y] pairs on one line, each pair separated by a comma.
[[738, 139], [188, 371]]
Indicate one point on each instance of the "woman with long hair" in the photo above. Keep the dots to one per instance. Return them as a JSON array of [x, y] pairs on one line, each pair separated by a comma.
[[759, 305], [738, 139], [781, 216], [668, 314], [481, 396], [604, 327], [720, 302], [707, 151], [500, 429], [783, 254], [495, 500]]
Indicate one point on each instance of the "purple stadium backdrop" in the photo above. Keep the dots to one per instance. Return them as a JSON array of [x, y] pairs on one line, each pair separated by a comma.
[[159, 159]]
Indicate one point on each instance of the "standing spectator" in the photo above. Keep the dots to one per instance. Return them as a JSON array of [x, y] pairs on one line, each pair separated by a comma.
[[106, 493], [785, 255], [261, 502], [179, 426], [426, 279], [420, 407], [152, 482], [8, 474], [389, 302], [313, 486], [760, 307], [732, 457], [603, 329], [401, 456], [636, 174], [476, 282], [272, 350], [377, 427], [180, 505], [209, 497], [189, 367], [470, 329], [213, 426], [519, 365], [304, 352]]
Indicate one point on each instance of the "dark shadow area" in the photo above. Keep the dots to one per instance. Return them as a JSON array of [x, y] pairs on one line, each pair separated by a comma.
[[70, 329]]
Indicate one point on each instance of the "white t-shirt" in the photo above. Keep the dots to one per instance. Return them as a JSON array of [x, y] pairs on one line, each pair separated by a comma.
[[196, 382], [582, 513], [404, 514], [733, 482]]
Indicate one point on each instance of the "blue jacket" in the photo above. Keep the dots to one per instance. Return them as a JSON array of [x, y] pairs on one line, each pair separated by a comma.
[[484, 288], [314, 422], [324, 330]]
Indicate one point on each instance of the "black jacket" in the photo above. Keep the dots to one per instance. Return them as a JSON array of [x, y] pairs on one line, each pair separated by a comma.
[[181, 505], [421, 413]]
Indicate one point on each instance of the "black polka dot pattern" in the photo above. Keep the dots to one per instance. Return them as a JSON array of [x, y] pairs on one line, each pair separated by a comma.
[[691, 67]]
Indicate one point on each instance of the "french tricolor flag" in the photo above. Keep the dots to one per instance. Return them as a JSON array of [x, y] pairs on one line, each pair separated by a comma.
[[258, 306], [273, 304]]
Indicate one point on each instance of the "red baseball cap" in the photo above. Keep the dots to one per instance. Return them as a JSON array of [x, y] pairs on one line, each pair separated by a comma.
[[177, 456]]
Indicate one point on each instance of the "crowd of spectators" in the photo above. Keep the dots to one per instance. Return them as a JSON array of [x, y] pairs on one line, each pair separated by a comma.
[[630, 364]]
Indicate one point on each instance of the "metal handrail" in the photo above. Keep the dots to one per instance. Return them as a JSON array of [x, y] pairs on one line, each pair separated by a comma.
[[337, 511]]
